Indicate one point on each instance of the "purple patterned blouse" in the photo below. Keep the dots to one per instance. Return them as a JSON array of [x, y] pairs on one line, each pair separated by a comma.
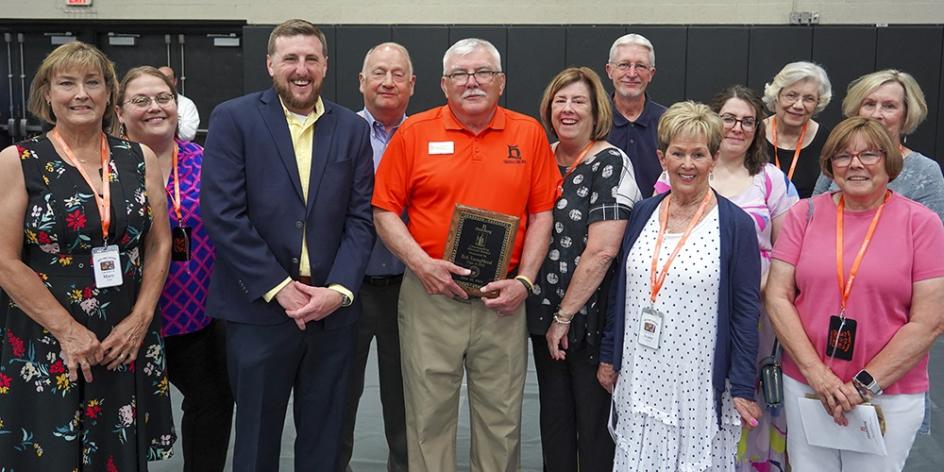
[[183, 301]]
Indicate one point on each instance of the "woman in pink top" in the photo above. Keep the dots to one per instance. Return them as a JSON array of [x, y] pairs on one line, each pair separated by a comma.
[[868, 341]]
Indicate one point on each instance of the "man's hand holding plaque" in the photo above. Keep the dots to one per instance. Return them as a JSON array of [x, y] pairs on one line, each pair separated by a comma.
[[436, 276], [481, 241]]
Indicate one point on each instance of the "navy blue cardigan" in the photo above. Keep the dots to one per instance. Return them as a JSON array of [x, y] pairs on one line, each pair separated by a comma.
[[738, 298]]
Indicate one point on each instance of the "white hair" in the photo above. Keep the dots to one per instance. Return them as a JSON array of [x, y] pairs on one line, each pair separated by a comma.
[[633, 39], [392, 45], [467, 46], [795, 72]]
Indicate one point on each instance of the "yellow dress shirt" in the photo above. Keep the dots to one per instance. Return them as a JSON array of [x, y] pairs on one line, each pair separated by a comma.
[[303, 136]]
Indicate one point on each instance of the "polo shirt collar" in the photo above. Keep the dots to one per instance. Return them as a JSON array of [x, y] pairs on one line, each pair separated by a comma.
[[644, 120], [450, 121]]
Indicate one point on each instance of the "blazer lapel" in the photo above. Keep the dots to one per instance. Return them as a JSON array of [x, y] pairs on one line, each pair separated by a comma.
[[274, 117], [321, 154]]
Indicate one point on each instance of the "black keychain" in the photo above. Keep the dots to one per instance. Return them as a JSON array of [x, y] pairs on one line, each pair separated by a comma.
[[180, 248], [840, 340]]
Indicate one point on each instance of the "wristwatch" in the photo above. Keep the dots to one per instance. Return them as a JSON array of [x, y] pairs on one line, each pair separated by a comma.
[[864, 381]]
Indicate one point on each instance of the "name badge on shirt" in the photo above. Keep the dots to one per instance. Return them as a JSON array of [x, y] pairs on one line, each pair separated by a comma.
[[106, 263], [441, 147], [650, 327]]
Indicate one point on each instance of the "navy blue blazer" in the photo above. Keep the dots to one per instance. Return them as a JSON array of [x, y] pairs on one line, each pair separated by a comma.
[[738, 300], [252, 206]]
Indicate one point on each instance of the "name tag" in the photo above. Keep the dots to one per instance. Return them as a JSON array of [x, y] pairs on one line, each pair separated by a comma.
[[441, 147], [106, 263], [650, 327]]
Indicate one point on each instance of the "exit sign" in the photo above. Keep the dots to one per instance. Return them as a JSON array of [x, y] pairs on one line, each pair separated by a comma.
[[78, 3]]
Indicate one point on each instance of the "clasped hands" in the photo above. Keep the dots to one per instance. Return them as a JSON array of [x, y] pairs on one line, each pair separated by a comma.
[[837, 397], [81, 348], [304, 303], [436, 277]]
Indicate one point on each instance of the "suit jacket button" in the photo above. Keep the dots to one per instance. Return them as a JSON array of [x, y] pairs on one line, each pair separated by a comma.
[[294, 260], [299, 224]]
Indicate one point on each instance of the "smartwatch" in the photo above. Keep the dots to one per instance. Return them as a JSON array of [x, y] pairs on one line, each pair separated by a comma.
[[865, 381]]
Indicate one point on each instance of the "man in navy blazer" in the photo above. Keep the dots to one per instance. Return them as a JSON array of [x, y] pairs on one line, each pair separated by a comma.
[[286, 187]]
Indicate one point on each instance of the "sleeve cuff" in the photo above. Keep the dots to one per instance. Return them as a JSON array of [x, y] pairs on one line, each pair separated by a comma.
[[272, 293], [343, 291]]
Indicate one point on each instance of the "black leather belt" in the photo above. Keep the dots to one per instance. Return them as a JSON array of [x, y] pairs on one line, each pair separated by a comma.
[[382, 280]]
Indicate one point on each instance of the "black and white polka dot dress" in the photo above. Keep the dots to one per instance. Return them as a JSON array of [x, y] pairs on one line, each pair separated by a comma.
[[664, 401]]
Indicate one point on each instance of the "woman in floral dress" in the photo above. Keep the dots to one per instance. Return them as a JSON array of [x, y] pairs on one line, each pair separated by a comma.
[[82, 381]]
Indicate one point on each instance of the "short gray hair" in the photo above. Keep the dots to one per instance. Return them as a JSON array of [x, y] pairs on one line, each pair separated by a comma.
[[633, 39], [466, 46], [392, 45], [795, 72]]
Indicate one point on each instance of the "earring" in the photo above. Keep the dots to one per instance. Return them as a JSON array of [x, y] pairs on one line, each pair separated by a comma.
[[122, 131]]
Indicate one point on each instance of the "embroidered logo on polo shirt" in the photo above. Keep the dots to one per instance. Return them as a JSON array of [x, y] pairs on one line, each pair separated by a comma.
[[514, 155]]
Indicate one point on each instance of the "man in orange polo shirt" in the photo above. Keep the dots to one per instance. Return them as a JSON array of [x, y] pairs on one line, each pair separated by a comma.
[[475, 153]]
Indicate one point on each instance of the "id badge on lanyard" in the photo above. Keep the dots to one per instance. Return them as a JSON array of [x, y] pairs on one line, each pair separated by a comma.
[[106, 259], [650, 327], [840, 339], [106, 264]]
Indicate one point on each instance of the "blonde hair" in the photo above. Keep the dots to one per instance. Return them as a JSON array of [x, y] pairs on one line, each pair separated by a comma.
[[690, 118], [796, 72], [74, 55], [873, 132], [601, 111], [915, 105]]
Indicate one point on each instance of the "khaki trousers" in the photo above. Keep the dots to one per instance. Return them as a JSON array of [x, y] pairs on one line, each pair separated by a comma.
[[439, 339]]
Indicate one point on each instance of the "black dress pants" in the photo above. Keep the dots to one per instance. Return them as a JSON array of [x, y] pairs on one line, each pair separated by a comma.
[[196, 365], [574, 410]]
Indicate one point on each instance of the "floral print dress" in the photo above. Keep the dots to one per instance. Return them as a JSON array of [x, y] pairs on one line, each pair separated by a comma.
[[122, 418]]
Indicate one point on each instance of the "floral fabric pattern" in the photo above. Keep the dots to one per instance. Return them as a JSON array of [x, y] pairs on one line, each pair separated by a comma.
[[122, 418]]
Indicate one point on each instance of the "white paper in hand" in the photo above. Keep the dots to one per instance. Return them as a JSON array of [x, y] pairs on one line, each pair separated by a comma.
[[862, 435]]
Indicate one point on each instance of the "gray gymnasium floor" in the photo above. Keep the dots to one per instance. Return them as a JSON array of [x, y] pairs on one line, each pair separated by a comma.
[[370, 448]]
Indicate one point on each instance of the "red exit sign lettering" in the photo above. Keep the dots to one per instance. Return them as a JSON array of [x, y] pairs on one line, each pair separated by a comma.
[[78, 3]]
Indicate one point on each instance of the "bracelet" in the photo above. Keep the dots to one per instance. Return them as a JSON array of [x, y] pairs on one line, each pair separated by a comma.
[[563, 321], [528, 285]]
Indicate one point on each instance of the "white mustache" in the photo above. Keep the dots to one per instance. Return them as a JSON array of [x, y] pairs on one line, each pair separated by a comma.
[[473, 93]]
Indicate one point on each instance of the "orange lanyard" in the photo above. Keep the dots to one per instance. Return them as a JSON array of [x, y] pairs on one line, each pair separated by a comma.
[[656, 281], [103, 201], [796, 151], [570, 170], [845, 286], [175, 197]]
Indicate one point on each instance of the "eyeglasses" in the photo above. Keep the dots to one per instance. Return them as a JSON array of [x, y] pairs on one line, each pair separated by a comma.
[[144, 101], [865, 157], [627, 66], [481, 76], [793, 97], [747, 123]]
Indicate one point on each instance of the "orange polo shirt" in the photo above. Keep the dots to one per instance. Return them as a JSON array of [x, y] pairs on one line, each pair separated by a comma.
[[433, 163]]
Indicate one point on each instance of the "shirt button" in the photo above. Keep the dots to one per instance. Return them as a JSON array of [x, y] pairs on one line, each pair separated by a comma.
[[299, 224], [81, 265], [632, 141]]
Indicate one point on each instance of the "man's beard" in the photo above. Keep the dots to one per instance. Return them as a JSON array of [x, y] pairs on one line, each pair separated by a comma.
[[292, 101]]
